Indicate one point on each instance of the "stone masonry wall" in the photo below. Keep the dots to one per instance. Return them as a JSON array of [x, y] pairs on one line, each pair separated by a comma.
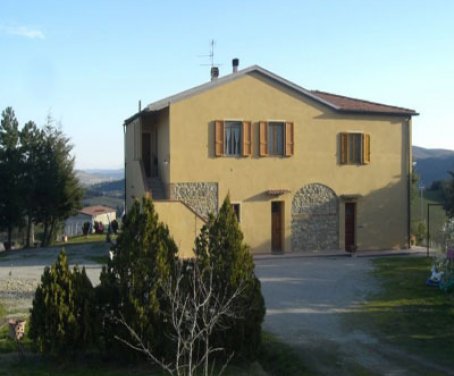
[[202, 197], [315, 219]]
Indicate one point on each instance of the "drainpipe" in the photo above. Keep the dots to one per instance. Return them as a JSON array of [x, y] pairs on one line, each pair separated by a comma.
[[409, 173], [124, 156]]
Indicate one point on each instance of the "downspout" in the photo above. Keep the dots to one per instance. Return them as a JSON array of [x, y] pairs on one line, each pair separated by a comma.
[[124, 156], [409, 179]]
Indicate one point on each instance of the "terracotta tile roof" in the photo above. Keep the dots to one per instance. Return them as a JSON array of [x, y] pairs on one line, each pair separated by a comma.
[[96, 210], [336, 102], [347, 104]]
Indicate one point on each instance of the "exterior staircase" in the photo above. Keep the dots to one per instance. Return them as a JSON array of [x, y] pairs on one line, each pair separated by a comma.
[[156, 187]]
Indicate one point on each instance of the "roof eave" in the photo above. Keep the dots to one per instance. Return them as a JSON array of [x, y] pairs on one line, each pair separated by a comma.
[[377, 113]]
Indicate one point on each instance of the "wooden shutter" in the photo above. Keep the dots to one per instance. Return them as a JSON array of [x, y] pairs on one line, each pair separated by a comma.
[[247, 138], [289, 146], [263, 138], [366, 148], [219, 138], [343, 148]]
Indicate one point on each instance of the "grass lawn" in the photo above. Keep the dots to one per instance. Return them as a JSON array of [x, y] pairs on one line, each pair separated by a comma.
[[409, 314], [82, 239]]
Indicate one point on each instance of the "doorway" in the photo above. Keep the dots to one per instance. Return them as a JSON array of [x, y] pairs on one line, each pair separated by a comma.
[[277, 226], [149, 153], [350, 225]]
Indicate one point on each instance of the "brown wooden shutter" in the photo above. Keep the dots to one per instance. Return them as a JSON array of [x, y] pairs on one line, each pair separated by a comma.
[[219, 138], [289, 146], [366, 148], [247, 139], [343, 148], [263, 138]]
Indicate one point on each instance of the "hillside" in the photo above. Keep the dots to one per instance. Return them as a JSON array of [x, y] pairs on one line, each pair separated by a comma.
[[96, 176], [433, 164], [110, 193]]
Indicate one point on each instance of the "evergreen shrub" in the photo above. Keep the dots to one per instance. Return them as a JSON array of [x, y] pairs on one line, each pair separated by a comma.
[[63, 320]]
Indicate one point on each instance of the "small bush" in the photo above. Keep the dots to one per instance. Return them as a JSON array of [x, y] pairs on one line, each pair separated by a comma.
[[62, 319]]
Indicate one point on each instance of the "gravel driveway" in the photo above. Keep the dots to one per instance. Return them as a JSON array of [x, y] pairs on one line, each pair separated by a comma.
[[311, 304], [310, 301], [21, 270]]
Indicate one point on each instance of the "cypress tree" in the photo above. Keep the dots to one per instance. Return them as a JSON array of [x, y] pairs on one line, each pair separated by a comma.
[[221, 246], [131, 284], [62, 319]]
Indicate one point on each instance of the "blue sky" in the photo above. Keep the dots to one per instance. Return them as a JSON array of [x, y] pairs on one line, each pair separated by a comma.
[[89, 62]]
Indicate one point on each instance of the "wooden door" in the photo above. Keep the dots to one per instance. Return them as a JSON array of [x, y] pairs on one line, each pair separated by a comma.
[[350, 225], [277, 226]]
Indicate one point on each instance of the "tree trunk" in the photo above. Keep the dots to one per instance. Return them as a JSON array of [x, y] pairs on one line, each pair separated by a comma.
[[51, 231], [46, 229], [28, 232]]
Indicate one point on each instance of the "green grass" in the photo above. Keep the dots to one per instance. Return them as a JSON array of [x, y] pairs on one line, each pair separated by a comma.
[[275, 357], [82, 239], [409, 314], [37, 366], [278, 358]]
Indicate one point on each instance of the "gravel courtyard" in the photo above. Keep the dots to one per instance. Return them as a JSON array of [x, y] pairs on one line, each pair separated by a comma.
[[310, 301], [311, 304]]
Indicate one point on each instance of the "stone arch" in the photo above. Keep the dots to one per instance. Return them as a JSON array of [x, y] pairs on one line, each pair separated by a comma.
[[315, 218]]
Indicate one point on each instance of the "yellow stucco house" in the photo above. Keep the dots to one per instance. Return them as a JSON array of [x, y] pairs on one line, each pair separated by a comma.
[[305, 170]]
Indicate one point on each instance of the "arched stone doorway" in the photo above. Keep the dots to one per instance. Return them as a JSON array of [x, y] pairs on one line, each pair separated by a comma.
[[315, 219]]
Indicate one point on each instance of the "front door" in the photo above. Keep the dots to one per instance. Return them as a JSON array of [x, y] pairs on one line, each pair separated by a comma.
[[277, 226], [350, 219]]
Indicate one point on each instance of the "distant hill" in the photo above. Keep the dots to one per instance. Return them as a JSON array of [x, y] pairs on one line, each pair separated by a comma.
[[95, 176], [433, 164], [108, 193]]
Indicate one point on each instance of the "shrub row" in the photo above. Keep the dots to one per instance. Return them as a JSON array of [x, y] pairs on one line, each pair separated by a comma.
[[70, 315]]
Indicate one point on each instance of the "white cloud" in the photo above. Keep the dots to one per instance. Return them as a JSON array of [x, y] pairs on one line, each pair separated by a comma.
[[23, 31]]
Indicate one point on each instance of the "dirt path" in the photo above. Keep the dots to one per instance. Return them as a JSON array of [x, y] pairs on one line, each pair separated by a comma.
[[311, 304]]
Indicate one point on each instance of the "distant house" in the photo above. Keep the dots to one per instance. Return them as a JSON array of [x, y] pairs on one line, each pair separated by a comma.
[[91, 214], [305, 170]]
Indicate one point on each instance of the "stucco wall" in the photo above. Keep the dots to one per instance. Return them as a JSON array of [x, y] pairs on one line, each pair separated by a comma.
[[381, 186], [135, 187], [184, 225]]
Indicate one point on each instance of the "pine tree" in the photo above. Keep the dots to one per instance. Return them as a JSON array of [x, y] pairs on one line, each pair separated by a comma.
[[58, 192], [131, 284], [11, 174], [31, 140], [221, 246]]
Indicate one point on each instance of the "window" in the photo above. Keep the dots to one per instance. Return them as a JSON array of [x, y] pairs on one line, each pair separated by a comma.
[[232, 138], [354, 148], [276, 138], [236, 209]]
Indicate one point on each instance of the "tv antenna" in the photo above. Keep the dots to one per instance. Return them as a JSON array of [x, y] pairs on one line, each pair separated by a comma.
[[211, 55]]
